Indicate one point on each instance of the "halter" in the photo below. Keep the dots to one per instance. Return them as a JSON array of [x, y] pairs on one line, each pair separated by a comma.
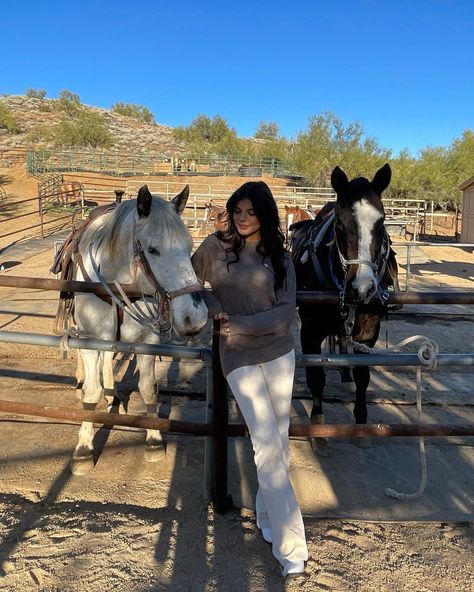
[[141, 262], [159, 320], [378, 267]]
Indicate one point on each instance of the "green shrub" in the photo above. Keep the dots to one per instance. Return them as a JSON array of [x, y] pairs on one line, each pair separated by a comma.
[[88, 129], [8, 121], [69, 102], [41, 133], [32, 93], [267, 130], [138, 112]]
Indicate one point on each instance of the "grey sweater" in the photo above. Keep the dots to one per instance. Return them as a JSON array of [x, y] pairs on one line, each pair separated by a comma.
[[258, 330]]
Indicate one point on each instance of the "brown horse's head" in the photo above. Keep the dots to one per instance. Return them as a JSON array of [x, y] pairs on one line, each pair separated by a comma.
[[217, 214], [360, 233]]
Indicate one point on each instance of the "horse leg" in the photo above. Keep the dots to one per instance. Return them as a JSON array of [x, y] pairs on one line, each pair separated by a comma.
[[316, 381], [347, 382], [108, 382], [361, 379], [155, 447], [79, 375], [82, 459]]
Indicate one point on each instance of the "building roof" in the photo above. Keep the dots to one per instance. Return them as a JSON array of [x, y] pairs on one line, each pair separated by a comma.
[[467, 184]]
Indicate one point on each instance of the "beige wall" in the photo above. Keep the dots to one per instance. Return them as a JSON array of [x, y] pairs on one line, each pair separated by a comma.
[[467, 233]]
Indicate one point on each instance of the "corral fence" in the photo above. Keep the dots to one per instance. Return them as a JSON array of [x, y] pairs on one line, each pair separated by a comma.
[[123, 164], [12, 157], [217, 427]]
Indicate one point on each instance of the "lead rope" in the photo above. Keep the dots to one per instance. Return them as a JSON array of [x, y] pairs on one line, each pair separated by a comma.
[[72, 331], [427, 355]]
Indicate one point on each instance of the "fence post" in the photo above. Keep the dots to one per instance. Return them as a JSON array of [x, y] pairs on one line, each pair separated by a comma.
[[209, 441], [220, 417]]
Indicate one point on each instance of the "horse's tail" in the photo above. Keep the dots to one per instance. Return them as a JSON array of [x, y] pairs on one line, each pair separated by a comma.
[[65, 314]]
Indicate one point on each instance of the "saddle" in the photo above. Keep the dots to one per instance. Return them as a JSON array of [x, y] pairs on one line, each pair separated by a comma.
[[66, 266]]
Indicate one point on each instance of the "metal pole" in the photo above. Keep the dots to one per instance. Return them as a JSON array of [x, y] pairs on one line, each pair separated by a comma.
[[222, 500], [458, 297], [196, 353], [407, 281], [234, 430], [208, 443], [176, 351]]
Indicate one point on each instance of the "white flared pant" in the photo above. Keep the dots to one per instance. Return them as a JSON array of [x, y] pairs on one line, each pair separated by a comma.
[[263, 393]]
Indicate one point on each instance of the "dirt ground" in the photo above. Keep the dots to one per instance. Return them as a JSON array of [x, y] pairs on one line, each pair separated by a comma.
[[130, 526]]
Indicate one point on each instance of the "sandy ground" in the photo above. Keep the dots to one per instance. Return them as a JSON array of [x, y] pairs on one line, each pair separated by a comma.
[[132, 526]]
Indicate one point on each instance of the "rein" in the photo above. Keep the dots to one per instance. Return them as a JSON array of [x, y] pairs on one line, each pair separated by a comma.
[[378, 267], [159, 319]]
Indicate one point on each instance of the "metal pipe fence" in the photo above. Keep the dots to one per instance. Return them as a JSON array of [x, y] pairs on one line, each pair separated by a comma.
[[216, 393], [411, 246]]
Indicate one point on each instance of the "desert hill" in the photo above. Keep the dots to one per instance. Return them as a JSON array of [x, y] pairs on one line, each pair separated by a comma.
[[128, 134]]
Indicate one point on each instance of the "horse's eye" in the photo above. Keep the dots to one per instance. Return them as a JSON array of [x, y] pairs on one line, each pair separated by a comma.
[[153, 251]]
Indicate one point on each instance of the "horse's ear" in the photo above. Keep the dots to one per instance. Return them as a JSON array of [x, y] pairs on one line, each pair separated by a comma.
[[144, 199], [339, 180], [180, 200], [381, 179], [287, 208]]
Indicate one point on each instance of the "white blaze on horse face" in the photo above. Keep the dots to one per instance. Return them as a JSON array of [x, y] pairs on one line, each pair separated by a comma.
[[366, 216]]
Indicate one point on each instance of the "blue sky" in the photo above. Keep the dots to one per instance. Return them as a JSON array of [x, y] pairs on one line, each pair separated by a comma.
[[403, 69]]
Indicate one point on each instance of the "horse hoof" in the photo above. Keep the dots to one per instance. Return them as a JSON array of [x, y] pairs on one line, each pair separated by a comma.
[[154, 453], [363, 441], [82, 463], [320, 447]]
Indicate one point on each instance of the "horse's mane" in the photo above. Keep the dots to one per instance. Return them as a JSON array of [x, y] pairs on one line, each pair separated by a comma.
[[163, 215]]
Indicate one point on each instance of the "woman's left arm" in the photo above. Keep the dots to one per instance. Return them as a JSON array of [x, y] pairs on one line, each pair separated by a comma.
[[274, 319]]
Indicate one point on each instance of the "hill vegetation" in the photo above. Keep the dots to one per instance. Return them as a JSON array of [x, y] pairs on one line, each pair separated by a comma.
[[435, 173]]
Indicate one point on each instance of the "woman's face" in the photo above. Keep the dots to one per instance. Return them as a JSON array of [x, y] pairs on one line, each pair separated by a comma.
[[245, 220]]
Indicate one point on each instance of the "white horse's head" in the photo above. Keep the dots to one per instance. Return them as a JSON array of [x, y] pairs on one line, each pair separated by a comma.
[[167, 244]]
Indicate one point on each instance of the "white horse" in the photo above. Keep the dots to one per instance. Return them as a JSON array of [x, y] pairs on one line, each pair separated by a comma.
[[142, 242]]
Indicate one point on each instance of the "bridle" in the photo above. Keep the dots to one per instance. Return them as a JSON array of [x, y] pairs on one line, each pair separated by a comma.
[[159, 318], [140, 262], [378, 267]]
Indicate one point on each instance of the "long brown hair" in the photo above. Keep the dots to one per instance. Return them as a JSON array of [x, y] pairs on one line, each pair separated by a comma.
[[272, 239]]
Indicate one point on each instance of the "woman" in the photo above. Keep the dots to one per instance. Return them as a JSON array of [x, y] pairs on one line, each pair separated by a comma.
[[254, 296]]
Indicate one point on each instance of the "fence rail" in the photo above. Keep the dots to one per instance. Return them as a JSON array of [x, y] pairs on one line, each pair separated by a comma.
[[120, 163]]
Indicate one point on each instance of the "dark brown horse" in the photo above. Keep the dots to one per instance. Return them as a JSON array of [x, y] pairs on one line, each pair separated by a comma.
[[345, 249]]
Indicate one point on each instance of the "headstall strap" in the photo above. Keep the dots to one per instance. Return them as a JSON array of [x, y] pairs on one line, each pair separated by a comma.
[[378, 267], [166, 296]]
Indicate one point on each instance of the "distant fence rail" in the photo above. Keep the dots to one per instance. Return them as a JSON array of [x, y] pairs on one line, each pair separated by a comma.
[[123, 164]]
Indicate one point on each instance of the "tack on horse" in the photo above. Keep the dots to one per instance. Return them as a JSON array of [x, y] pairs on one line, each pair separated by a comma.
[[345, 249], [142, 242], [70, 192]]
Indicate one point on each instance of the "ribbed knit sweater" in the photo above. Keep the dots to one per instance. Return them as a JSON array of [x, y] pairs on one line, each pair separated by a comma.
[[258, 329]]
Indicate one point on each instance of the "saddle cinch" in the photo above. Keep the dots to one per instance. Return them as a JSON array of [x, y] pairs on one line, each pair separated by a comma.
[[320, 231], [65, 265]]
